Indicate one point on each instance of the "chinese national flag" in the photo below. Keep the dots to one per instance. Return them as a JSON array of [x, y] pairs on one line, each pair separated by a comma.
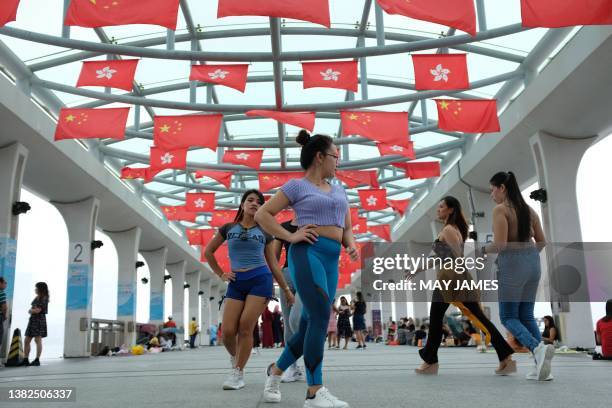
[[459, 14], [180, 132], [221, 255], [268, 181], [91, 123], [470, 116], [220, 217], [305, 120], [102, 13], [373, 199], [399, 205], [383, 127], [233, 76], [130, 173], [168, 159], [360, 226], [200, 202], [108, 73], [315, 11], [419, 170], [194, 236], [249, 158], [354, 178], [8, 11], [223, 177], [331, 74], [178, 213], [440, 71], [383, 231], [406, 150], [285, 215], [149, 174], [565, 13]]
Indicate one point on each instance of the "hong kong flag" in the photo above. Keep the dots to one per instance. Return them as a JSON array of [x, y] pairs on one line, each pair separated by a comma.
[[74, 123], [102, 13], [440, 71], [470, 116], [178, 213], [233, 76], [200, 202], [330, 74], [355, 178], [383, 231], [268, 181], [220, 217], [399, 205], [459, 14], [383, 127], [304, 120], [168, 159], [180, 132], [315, 11], [8, 11], [360, 226], [223, 177], [565, 13], [373, 199], [406, 150], [129, 173], [419, 170], [354, 211], [249, 158], [109, 73]]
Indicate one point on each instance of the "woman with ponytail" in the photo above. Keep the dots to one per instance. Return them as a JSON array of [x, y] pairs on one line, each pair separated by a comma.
[[324, 226], [253, 263], [517, 235]]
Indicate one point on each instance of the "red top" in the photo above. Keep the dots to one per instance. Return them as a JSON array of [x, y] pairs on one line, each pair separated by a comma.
[[170, 323], [604, 330]]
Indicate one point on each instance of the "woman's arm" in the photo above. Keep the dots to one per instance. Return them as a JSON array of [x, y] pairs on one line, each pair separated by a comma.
[[552, 335], [209, 254], [265, 218], [277, 248], [348, 239], [271, 259]]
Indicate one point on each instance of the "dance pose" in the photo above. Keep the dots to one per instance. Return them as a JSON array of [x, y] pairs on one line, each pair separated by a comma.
[[324, 226]]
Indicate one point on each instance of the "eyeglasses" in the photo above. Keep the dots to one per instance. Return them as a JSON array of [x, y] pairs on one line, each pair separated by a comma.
[[333, 155]]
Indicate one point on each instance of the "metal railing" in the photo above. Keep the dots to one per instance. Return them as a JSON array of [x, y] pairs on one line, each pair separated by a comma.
[[104, 333]]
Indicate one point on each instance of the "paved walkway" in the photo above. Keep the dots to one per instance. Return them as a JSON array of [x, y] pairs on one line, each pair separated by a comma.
[[380, 377]]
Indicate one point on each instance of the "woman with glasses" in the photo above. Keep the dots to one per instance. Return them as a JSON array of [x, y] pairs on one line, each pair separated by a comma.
[[250, 287], [324, 227]]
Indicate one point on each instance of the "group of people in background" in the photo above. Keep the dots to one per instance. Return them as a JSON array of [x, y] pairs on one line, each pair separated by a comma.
[[339, 325]]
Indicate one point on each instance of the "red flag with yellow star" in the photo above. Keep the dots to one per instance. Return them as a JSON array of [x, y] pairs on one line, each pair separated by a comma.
[[220, 217], [168, 159], [419, 170], [268, 181], [304, 120], [249, 158], [470, 116], [315, 11], [194, 236], [406, 150], [232, 75], [399, 205], [383, 231], [373, 199], [383, 127], [108, 73], [354, 178], [459, 14], [91, 123], [200, 202], [8, 11], [178, 213], [129, 173], [223, 177], [178, 132], [102, 13]]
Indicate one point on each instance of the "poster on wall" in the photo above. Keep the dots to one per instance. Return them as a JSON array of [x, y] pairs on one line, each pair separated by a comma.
[[376, 322]]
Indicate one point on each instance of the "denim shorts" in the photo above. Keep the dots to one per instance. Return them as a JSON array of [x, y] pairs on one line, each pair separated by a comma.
[[259, 285]]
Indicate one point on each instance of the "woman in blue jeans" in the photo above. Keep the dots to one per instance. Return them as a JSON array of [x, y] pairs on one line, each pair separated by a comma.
[[518, 239]]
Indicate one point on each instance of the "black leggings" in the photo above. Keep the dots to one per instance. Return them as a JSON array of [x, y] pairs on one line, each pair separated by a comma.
[[429, 353]]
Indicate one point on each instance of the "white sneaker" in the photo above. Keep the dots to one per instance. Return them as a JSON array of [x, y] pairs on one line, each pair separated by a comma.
[[272, 388], [324, 399], [543, 355], [299, 374], [533, 376], [289, 375], [235, 381]]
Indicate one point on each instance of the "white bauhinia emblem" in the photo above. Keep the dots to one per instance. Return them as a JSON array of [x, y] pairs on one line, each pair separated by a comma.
[[440, 73], [371, 201], [330, 75], [199, 203], [218, 74], [105, 72], [397, 148], [167, 158], [242, 156]]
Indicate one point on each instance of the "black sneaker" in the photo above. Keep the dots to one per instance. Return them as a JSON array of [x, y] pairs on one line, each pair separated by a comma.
[[359, 346], [35, 363], [24, 363]]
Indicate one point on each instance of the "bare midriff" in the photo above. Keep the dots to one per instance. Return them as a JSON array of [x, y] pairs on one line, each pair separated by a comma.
[[330, 231]]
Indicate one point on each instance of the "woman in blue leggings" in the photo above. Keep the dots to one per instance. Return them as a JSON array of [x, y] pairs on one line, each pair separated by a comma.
[[324, 227]]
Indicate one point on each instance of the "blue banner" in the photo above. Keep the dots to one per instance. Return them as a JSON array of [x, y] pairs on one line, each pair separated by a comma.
[[156, 308], [78, 293], [8, 261], [126, 299]]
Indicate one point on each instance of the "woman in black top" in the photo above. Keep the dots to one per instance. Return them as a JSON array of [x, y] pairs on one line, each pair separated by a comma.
[[550, 333], [344, 322], [37, 325], [359, 311]]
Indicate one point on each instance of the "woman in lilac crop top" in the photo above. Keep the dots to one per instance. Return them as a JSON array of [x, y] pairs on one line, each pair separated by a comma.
[[324, 227]]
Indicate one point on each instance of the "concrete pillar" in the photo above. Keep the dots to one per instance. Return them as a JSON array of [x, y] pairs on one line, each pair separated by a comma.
[[557, 161], [156, 261], [127, 243], [12, 165], [205, 312], [214, 307], [193, 280], [177, 271], [80, 218]]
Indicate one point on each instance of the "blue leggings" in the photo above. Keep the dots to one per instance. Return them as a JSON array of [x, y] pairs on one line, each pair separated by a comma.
[[314, 270]]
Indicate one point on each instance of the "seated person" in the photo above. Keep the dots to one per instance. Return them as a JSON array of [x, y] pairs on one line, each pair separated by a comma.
[[420, 334], [550, 333], [604, 332]]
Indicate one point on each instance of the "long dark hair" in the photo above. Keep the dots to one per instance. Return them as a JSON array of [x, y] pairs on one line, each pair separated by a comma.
[[513, 192], [240, 213], [343, 301], [457, 218], [608, 311], [359, 296], [43, 291], [551, 322], [311, 145]]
